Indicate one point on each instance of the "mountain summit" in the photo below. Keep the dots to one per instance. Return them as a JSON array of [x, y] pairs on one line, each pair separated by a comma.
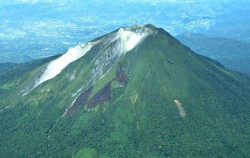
[[113, 47], [135, 92]]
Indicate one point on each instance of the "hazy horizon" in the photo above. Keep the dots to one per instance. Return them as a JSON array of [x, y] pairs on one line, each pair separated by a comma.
[[40, 28]]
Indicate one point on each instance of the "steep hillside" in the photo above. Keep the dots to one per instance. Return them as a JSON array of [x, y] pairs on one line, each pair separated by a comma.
[[135, 92]]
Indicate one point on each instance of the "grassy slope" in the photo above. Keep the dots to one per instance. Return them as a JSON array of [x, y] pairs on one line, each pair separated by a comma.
[[142, 119], [13, 75]]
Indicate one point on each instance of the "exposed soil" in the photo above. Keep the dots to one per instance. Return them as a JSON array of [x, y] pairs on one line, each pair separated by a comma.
[[80, 100], [103, 95], [181, 109], [120, 75]]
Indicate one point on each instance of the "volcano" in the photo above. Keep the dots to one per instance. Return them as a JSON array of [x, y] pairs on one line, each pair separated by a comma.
[[134, 92]]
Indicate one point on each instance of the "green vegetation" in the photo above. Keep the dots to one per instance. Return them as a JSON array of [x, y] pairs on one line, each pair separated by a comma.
[[141, 119], [86, 153]]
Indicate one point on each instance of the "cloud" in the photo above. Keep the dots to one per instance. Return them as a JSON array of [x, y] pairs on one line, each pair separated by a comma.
[[153, 1], [29, 1], [12, 34], [199, 24], [38, 1]]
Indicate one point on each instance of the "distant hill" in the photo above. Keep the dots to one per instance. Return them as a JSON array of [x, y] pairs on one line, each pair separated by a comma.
[[14, 58], [241, 34], [233, 54]]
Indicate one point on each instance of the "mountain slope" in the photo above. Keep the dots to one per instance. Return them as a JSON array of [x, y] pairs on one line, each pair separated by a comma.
[[138, 92], [234, 54]]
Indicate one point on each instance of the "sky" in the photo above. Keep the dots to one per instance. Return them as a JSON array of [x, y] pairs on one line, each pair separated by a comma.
[[40, 28]]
